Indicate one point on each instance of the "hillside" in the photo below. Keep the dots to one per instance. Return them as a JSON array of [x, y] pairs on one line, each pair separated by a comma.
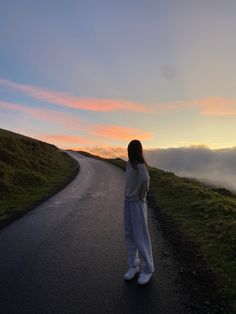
[[30, 171], [200, 222]]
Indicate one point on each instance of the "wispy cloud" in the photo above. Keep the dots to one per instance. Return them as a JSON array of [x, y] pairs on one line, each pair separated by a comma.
[[218, 106], [71, 122], [215, 106], [208, 106], [67, 100], [62, 139], [66, 119], [120, 132]]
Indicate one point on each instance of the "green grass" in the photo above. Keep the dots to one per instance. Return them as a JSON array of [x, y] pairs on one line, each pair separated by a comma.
[[205, 215], [30, 172]]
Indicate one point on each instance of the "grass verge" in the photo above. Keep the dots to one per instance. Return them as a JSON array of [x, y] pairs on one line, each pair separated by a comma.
[[30, 172]]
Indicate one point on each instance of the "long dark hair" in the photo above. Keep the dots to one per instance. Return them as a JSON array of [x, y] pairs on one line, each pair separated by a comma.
[[135, 153]]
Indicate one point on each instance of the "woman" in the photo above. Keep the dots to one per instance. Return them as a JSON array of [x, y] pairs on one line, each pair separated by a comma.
[[136, 232]]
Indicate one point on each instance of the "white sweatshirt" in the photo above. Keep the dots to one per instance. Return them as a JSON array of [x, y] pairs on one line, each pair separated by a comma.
[[137, 182]]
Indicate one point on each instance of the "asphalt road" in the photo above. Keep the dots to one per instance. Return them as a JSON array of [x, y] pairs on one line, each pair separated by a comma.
[[68, 255]]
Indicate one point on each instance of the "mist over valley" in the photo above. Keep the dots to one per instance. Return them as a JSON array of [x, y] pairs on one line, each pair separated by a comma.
[[216, 166]]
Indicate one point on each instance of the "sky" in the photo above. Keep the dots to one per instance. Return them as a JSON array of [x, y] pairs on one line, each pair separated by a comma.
[[94, 75]]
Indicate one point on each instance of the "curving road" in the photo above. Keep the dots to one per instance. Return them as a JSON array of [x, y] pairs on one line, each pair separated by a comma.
[[68, 256]]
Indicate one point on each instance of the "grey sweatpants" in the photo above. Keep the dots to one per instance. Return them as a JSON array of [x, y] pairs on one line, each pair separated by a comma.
[[137, 236]]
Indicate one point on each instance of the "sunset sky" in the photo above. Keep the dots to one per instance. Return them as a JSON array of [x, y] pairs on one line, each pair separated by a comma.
[[85, 74]]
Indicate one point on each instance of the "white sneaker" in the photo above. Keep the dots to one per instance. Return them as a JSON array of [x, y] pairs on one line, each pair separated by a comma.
[[131, 273], [144, 278]]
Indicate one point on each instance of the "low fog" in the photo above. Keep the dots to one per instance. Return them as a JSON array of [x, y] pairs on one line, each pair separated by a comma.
[[216, 167]]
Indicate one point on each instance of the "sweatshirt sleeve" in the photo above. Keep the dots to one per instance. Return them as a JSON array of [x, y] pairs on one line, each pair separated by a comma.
[[143, 181]]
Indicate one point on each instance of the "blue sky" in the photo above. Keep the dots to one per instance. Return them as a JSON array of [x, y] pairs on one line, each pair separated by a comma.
[[174, 58]]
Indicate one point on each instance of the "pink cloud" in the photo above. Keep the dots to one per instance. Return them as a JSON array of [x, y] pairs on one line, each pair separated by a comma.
[[67, 100], [52, 116], [208, 106], [120, 132], [217, 106]]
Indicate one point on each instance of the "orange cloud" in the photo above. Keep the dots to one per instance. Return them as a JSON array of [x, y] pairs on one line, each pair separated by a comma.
[[217, 106], [52, 116], [62, 139], [104, 151], [67, 100], [120, 132]]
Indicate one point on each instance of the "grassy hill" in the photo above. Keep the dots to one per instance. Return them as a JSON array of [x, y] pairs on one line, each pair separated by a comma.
[[204, 215], [30, 171]]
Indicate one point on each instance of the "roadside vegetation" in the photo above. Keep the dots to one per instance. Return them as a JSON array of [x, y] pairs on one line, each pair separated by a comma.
[[205, 215], [30, 171]]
